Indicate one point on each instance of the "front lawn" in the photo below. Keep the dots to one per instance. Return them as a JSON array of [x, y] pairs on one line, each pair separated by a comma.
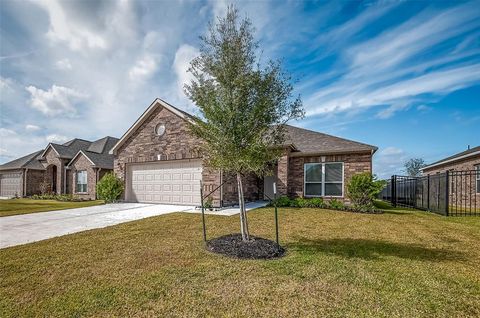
[[24, 206], [340, 264]]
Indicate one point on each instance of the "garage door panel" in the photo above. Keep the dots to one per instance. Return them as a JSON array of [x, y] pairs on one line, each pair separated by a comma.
[[11, 184], [174, 182]]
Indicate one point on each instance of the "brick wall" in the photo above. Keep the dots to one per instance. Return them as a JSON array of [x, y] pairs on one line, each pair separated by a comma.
[[461, 165], [51, 159], [79, 164], [353, 164], [34, 178], [462, 188], [283, 173], [144, 145], [252, 188]]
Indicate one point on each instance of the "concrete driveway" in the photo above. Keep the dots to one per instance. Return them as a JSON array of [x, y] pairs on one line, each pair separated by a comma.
[[27, 228]]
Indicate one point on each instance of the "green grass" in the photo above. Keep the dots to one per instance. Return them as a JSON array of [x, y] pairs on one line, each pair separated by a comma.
[[24, 206], [338, 264]]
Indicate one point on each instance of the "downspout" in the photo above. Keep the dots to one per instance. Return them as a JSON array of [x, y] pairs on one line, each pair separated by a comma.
[[221, 188], [25, 182], [96, 182], [65, 179]]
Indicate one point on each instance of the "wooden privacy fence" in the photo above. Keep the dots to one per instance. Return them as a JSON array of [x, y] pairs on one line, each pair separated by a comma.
[[451, 193]]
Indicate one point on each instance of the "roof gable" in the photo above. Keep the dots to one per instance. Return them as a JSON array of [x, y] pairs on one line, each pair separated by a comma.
[[146, 114], [102, 145]]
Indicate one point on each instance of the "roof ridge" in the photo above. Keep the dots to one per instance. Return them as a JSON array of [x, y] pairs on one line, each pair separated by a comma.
[[454, 156]]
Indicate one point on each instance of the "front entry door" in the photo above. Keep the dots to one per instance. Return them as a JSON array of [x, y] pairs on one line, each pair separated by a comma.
[[268, 187]]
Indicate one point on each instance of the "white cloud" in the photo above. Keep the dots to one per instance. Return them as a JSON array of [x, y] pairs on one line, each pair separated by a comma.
[[55, 101], [6, 84], [386, 71], [56, 138], [5, 132], [424, 108], [181, 64], [391, 151], [64, 64], [62, 28], [389, 161], [31, 128], [144, 68], [5, 154], [90, 25]]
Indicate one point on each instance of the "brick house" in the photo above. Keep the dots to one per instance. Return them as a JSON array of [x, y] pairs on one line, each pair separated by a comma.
[[158, 160], [73, 167], [464, 169]]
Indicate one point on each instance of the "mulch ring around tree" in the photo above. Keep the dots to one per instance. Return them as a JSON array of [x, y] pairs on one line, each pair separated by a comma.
[[232, 245]]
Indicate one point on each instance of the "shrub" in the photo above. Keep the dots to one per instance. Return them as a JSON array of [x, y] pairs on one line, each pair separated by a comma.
[[109, 188], [58, 197], [316, 203], [302, 203], [362, 190], [336, 204], [284, 202], [208, 203]]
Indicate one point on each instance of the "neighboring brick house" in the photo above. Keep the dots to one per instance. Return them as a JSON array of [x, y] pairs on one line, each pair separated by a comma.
[[464, 169], [159, 162], [73, 167]]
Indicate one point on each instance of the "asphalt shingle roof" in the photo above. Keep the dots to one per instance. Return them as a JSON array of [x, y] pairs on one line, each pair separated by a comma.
[[96, 151], [309, 141], [457, 155], [28, 161], [69, 149]]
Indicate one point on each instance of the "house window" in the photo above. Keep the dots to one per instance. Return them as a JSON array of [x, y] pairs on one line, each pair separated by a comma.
[[160, 129], [81, 182], [477, 167], [324, 179]]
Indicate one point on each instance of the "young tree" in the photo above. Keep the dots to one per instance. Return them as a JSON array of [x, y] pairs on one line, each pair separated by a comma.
[[413, 166], [243, 104]]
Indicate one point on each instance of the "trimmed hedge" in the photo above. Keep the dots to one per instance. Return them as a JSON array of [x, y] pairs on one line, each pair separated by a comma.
[[58, 197], [319, 203]]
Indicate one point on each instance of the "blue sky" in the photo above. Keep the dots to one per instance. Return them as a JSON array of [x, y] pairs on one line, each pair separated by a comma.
[[404, 76]]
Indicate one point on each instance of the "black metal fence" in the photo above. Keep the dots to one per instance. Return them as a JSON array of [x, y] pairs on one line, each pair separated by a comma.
[[455, 193]]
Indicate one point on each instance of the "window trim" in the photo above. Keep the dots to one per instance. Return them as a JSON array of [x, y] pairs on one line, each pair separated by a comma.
[[157, 126], [76, 182], [323, 180]]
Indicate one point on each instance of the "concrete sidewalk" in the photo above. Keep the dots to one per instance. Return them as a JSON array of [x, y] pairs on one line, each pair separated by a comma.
[[27, 228], [231, 210]]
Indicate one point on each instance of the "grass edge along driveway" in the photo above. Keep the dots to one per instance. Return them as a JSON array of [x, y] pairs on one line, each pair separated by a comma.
[[338, 264], [10, 207]]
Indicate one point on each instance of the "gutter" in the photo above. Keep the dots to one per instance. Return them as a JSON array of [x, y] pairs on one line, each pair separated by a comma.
[[326, 153]]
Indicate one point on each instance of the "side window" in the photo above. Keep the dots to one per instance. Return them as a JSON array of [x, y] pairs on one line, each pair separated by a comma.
[[81, 184]]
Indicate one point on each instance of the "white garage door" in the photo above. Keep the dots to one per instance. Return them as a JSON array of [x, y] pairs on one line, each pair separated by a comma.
[[11, 184], [171, 182]]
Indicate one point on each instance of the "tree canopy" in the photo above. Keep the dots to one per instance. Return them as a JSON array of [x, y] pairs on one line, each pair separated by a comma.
[[243, 102]]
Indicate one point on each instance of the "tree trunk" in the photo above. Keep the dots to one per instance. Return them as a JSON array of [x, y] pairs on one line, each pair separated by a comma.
[[243, 212]]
